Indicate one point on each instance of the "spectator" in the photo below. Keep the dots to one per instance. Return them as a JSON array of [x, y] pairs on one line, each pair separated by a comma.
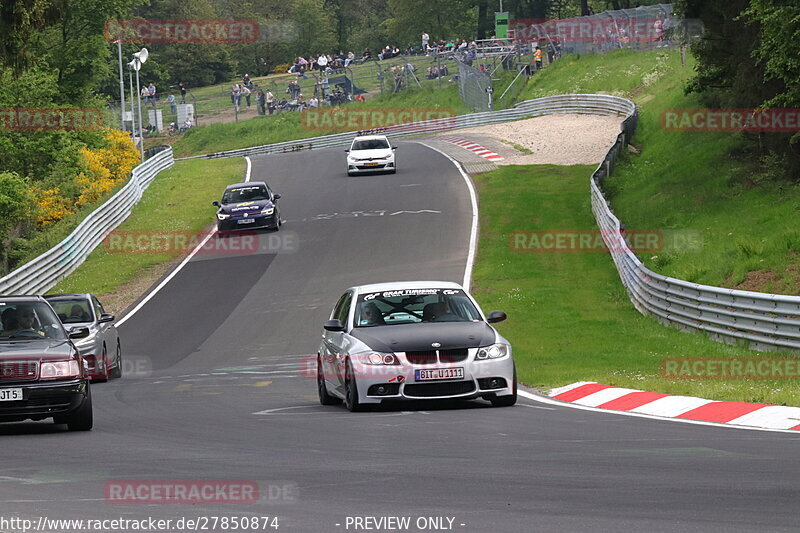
[[151, 91], [322, 62], [261, 102], [425, 40], [182, 88], [366, 56], [186, 125], [350, 57], [145, 94], [173, 105], [270, 99], [246, 81], [246, 92], [313, 102], [236, 95]]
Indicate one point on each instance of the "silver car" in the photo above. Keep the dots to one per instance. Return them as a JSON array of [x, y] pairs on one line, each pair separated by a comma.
[[101, 349], [417, 340]]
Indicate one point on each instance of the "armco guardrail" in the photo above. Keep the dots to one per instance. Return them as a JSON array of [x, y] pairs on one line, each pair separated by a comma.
[[42, 273], [761, 321], [570, 103]]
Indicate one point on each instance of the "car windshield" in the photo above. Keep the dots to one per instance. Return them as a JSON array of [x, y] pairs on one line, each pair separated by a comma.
[[370, 144], [29, 321], [245, 194], [72, 311], [411, 306]]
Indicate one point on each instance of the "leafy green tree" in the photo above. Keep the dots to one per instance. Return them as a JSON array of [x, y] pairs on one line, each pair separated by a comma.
[[16, 204]]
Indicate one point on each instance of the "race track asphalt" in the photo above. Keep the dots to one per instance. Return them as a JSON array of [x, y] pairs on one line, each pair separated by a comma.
[[219, 386]]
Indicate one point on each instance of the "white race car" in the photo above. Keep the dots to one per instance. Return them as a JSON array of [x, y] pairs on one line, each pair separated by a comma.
[[417, 340], [371, 153]]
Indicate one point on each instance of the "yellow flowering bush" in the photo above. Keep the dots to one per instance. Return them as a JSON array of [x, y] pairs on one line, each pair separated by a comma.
[[106, 167], [51, 205], [103, 169]]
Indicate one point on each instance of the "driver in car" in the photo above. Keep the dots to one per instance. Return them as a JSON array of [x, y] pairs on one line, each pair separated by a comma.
[[26, 322]]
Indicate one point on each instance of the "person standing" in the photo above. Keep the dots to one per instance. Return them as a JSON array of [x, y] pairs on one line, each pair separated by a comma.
[[261, 101], [173, 105], [236, 95], [182, 88], [425, 40], [246, 92], [270, 99], [537, 58], [151, 90], [322, 62]]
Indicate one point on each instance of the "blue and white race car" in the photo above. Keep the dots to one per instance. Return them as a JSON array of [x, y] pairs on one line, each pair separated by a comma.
[[248, 206]]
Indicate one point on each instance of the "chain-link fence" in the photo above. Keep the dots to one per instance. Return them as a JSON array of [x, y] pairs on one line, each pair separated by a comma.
[[642, 28], [475, 86]]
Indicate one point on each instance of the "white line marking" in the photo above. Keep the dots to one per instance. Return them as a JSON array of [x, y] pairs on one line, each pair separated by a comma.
[[181, 265], [473, 234], [550, 401]]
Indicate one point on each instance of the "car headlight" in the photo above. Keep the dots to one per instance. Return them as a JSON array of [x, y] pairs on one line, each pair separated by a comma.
[[495, 351], [378, 358], [268, 211], [222, 216], [86, 342], [60, 369]]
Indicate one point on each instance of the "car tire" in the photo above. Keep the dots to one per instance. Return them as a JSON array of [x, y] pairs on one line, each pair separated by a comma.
[[104, 359], [508, 400], [325, 398], [117, 372], [351, 391], [82, 419]]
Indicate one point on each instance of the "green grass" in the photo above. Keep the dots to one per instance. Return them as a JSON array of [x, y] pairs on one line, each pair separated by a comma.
[[706, 189], [619, 73], [569, 317], [173, 203], [289, 126]]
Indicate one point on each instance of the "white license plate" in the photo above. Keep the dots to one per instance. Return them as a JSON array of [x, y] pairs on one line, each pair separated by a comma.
[[434, 374], [246, 221], [10, 395]]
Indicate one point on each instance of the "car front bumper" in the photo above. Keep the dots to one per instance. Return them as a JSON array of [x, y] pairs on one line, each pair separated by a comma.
[[482, 379], [357, 167], [258, 222], [43, 399]]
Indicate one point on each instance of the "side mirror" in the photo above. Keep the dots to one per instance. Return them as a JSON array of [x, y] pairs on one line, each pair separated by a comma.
[[347, 149], [333, 324], [106, 317], [496, 316], [78, 332], [215, 203], [276, 196], [394, 147]]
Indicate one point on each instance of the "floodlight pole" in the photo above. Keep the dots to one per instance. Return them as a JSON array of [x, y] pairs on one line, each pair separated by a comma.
[[121, 87], [139, 103], [133, 109]]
